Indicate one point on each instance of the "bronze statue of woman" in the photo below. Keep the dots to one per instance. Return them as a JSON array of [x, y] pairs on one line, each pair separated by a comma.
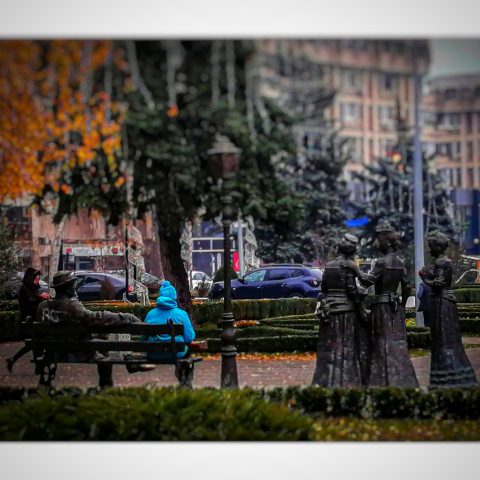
[[389, 363], [450, 366], [339, 351]]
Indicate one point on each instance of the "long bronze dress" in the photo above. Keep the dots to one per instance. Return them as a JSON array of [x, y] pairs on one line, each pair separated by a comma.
[[450, 366], [390, 364], [339, 350]]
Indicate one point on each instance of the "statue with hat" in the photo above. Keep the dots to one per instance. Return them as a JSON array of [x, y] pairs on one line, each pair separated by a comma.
[[341, 352], [389, 362], [450, 366], [66, 307]]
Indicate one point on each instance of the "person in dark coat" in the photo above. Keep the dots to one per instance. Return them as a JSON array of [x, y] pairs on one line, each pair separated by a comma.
[[29, 299], [339, 351], [450, 366], [423, 295], [390, 364]]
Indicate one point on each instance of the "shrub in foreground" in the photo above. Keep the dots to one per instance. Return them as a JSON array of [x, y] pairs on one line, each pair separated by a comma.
[[152, 414], [454, 403]]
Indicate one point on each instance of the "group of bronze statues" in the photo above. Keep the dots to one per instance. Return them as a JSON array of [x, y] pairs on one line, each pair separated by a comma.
[[362, 338]]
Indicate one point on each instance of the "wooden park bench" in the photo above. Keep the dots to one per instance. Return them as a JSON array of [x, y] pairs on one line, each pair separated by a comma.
[[51, 342]]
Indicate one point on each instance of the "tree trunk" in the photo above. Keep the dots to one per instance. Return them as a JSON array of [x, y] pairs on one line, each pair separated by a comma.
[[172, 264]]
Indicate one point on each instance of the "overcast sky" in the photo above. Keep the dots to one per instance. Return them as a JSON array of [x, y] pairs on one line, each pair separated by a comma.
[[455, 56]]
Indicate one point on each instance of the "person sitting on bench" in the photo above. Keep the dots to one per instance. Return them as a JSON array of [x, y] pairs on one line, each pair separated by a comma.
[[66, 307], [166, 309]]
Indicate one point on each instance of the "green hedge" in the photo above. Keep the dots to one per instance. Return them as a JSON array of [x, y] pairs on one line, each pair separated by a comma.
[[453, 403], [254, 309], [369, 403], [298, 342], [152, 414], [211, 311], [467, 295], [242, 309]]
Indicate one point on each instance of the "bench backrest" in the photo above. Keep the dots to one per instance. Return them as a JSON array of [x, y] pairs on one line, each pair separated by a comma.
[[64, 329], [66, 337]]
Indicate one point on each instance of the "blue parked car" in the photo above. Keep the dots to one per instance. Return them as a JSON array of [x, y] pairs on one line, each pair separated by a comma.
[[274, 281]]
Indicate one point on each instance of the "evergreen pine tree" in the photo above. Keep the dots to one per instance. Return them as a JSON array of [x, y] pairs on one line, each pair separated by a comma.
[[315, 174], [388, 194]]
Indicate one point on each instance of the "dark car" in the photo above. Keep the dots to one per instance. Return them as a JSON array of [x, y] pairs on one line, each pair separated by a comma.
[[152, 282], [274, 281], [101, 286], [15, 283]]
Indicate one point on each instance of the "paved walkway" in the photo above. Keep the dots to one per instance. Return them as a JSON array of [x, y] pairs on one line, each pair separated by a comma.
[[253, 371]]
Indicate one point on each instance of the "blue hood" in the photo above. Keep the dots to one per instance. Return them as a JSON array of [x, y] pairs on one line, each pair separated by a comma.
[[167, 298]]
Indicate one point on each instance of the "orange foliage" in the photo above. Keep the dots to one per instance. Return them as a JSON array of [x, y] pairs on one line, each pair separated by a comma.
[[52, 115]]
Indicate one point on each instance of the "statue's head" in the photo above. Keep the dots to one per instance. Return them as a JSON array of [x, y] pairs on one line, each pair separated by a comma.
[[437, 242], [65, 282], [388, 238], [348, 245]]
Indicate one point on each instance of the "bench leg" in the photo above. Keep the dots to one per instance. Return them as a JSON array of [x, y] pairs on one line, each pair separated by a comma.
[[184, 372], [105, 375], [47, 372]]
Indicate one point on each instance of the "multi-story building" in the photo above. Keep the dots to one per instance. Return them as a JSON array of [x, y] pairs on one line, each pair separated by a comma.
[[451, 128], [370, 78]]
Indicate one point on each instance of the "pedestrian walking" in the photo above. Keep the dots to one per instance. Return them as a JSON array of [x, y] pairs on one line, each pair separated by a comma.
[[29, 298]]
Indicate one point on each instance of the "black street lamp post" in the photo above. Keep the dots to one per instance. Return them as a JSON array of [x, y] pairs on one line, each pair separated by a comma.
[[224, 158]]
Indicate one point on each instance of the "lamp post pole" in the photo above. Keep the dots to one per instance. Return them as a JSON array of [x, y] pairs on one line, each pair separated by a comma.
[[224, 158], [229, 374], [418, 186]]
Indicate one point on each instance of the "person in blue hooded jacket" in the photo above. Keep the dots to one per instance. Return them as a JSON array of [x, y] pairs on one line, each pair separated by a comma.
[[167, 308]]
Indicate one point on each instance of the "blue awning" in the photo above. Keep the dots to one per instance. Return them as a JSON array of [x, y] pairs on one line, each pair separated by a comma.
[[356, 222]]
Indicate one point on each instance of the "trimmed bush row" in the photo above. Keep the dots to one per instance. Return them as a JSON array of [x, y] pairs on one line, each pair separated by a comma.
[[255, 309], [152, 414], [467, 295], [369, 403], [242, 309], [454, 403], [211, 311], [298, 342]]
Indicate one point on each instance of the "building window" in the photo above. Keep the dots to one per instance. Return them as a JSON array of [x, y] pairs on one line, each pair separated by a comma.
[[386, 147], [469, 122], [388, 82], [469, 151], [386, 116], [469, 177], [427, 118], [448, 121], [352, 80], [351, 112], [451, 150], [354, 148], [429, 149]]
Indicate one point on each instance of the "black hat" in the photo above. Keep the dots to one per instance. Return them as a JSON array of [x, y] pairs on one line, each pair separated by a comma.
[[64, 277]]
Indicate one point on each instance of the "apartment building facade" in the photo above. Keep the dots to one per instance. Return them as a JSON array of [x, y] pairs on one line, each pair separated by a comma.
[[451, 128], [370, 78]]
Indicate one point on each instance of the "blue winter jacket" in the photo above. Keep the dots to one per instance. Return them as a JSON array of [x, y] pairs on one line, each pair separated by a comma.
[[167, 308]]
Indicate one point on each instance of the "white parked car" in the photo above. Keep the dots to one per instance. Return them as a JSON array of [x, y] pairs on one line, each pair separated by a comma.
[[200, 283]]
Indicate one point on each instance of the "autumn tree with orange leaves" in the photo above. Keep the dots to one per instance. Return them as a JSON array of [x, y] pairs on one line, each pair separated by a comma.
[[60, 131]]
